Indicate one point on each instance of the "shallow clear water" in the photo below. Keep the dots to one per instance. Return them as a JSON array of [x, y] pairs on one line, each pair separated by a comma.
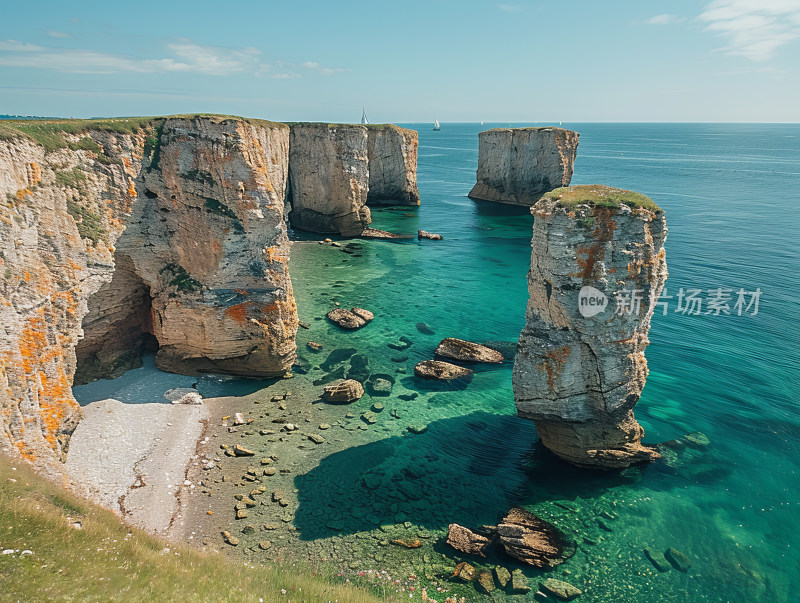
[[732, 197]]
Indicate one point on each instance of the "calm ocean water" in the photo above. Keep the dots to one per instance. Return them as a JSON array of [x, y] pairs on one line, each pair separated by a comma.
[[732, 198]]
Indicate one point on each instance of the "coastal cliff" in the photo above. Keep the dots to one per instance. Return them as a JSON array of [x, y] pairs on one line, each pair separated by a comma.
[[580, 366], [120, 234], [517, 165], [337, 169]]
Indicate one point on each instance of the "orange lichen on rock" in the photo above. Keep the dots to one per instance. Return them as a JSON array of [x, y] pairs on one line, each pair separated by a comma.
[[22, 193], [33, 174], [238, 312], [274, 256], [554, 363], [131, 189]]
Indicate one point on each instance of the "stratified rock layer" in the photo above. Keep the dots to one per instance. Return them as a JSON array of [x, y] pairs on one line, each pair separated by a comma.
[[392, 157], [191, 212], [517, 165], [580, 366], [335, 169]]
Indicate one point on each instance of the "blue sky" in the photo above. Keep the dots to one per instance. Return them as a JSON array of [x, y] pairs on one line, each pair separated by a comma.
[[467, 60]]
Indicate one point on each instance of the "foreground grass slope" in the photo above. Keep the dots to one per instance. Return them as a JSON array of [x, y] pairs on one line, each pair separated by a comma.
[[105, 560]]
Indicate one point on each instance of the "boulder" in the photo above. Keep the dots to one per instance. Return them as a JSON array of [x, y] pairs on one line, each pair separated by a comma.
[[466, 351], [531, 540], [423, 234], [466, 541], [485, 582], [502, 575], [519, 583], [678, 560], [437, 369], [189, 398], [350, 319], [464, 571], [424, 328], [346, 391]]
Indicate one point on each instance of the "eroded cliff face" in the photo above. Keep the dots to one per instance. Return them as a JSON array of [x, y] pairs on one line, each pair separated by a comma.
[[580, 366], [336, 169], [329, 178], [392, 159], [176, 224], [517, 165]]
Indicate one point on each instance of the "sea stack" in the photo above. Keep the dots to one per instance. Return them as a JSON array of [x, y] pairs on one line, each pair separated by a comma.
[[337, 169], [597, 268], [517, 165]]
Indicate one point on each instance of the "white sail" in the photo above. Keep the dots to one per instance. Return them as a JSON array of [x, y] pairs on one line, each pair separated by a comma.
[[435, 124], [364, 119]]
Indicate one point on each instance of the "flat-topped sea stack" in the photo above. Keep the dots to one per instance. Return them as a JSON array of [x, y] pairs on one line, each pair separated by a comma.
[[597, 265], [517, 165], [126, 233], [336, 169]]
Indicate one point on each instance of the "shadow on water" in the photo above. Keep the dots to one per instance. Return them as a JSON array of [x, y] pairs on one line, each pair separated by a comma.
[[500, 210], [469, 470]]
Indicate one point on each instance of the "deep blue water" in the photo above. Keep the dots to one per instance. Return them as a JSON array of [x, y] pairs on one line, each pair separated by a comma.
[[732, 199]]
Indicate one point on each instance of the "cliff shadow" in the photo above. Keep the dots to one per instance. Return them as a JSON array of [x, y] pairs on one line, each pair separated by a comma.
[[469, 470]]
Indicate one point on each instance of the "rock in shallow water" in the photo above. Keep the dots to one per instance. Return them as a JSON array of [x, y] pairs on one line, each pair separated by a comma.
[[465, 540], [437, 369], [355, 318], [424, 234], [560, 589], [532, 540], [678, 560], [466, 351], [346, 391]]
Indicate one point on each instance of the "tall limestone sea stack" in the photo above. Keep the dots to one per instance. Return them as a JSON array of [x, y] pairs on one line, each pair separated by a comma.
[[598, 265], [337, 169], [175, 223], [517, 165]]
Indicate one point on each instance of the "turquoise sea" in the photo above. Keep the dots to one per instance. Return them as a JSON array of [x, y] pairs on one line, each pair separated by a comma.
[[732, 198]]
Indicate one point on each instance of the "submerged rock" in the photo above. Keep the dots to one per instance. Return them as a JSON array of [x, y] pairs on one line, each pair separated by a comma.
[[466, 541], [561, 590], [678, 560], [437, 369], [502, 575], [519, 583], [346, 390], [580, 366], [517, 165], [466, 351], [464, 571], [424, 328], [485, 582]]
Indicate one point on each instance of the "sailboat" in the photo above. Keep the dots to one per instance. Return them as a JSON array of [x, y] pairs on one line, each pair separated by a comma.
[[436, 126], [364, 119]]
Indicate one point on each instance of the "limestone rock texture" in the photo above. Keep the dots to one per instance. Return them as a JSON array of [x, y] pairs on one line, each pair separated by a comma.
[[118, 233], [392, 157], [336, 169], [517, 165], [580, 366]]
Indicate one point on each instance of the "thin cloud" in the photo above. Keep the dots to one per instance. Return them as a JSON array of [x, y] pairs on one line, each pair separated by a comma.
[[664, 19], [187, 57], [285, 76], [510, 8], [755, 29], [314, 66], [58, 34]]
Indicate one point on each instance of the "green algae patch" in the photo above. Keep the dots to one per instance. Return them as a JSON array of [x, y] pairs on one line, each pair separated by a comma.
[[600, 196]]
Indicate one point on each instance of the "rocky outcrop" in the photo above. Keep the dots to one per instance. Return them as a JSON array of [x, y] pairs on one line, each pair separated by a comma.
[[335, 169], [466, 541], [517, 165], [344, 390], [466, 351], [189, 209], [392, 157], [354, 318], [580, 366]]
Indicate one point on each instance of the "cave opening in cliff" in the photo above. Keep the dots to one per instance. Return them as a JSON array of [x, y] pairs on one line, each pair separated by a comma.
[[118, 328]]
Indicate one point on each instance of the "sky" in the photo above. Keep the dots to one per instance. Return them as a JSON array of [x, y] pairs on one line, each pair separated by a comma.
[[410, 61]]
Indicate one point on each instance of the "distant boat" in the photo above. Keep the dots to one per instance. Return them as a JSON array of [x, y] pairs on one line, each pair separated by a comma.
[[436, 126], [364, 119]]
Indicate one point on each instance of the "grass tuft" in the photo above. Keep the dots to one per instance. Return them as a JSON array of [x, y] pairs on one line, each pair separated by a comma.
[[600, 196]]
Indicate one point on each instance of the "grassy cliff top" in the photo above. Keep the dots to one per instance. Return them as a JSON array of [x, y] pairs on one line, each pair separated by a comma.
[[528, 129], [49, 132], [106, 560], [343, 125], [601, 196]]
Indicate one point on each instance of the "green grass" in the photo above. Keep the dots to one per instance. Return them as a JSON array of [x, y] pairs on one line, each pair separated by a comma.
[[74, 178], [600, 195], [181, 279], [108, 561]]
